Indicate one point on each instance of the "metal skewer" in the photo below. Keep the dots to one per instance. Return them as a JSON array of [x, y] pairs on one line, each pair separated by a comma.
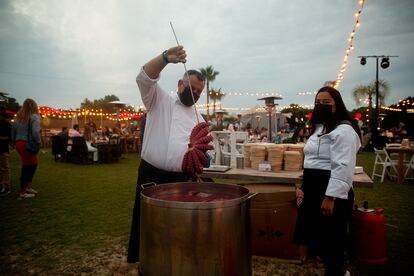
[[186, 72]]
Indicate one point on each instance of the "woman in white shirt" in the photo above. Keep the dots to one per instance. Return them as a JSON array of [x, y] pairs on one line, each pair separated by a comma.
[[330, 156], [87, 134]]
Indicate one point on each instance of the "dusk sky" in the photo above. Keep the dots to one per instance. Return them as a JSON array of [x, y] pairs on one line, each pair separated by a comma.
[[61, 52]]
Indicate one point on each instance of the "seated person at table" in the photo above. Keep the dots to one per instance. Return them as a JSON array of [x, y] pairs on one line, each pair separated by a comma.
[[124, 130], [402, 130], [64, 134], [64, 137], [92, 125], [73, 133], [116, 132], [299, 135], [104, 136], [263, 133], [87, 134]]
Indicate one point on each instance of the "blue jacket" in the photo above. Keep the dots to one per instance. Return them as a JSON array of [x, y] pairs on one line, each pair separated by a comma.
[[20, 130]]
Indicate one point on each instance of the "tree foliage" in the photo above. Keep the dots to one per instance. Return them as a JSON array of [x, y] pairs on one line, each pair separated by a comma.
[[210, 75], [102, 103], [299, 115], [216, 95], [368, 91], [9, 102]]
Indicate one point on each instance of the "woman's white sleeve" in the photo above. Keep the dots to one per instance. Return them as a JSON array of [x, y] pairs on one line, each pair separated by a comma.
[[344, 147]]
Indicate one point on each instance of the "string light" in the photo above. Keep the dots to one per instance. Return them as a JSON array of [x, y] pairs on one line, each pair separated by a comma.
[[243, 94], [124, 115], [129, 114], [307, 93], [350, 47]]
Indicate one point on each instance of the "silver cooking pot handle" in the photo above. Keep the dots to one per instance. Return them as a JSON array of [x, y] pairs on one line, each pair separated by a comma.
[[149, 184], [251, 195]]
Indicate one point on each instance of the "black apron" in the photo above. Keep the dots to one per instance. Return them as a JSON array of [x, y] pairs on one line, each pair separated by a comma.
[[322, 235]]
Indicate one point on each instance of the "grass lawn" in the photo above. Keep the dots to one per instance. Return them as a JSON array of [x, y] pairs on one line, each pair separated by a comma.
[[80, 210], [80, 220]]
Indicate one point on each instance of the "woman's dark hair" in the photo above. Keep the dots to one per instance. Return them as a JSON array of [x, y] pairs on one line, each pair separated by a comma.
[[296, 138], [341, 114]]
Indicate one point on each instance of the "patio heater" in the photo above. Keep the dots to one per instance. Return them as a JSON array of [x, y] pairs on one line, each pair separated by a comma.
[[258, 117], [239, 116], [219, 117], [385, 63], [270, 104]]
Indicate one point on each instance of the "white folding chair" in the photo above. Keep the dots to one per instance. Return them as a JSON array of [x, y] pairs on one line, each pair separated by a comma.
[[393, 156], [383, 159], [393, 145], [409, 168]]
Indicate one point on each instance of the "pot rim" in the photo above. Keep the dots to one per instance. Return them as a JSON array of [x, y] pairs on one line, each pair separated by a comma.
[[146, 197]]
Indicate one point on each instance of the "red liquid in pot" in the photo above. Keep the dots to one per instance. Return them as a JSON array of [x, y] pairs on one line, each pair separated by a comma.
[[194, 196]]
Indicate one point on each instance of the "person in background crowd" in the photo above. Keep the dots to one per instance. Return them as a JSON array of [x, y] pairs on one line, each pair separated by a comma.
[[64, 140], [299, 135], [75, 131], [27, 115], [116, 132], [142, 122], [402, 131], [5, 140], [170, 120], [92, 125], [132, 128], [87, 134], [326, 197], [64, 134], [124, 130], [263, 133], [105, 134]]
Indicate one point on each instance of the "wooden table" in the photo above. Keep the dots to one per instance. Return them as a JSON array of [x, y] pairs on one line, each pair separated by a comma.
[[401, 152], [361, 180]]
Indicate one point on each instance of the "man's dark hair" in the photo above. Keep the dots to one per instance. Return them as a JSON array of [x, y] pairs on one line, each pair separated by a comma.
[[199, 76], [64, 128], [76, 126], [341, 114]]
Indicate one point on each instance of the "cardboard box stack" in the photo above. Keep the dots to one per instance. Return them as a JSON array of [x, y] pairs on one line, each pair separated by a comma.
[[246, 155], [257, 155], [297, 148], [280, 156], [293, 161], [275, 156]]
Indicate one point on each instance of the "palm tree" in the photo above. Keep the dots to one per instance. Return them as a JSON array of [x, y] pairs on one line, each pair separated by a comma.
[[216, 95], [362, 91], [210, 75]]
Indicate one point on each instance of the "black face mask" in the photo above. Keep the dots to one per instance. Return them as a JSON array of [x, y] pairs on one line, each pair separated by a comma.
[[321, 113], [186, 98]]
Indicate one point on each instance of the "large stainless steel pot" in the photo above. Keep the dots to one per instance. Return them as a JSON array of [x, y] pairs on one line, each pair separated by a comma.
[[195, 238]]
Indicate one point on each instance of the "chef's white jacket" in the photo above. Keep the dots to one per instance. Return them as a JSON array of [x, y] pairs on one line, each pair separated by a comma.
[[335, 151], [168, 126]]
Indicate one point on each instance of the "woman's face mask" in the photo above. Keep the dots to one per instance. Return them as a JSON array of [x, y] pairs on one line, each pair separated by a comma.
[[186, 98], [322, 112]]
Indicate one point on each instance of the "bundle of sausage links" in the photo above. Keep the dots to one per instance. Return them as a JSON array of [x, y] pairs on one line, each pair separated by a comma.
[[195, 158]]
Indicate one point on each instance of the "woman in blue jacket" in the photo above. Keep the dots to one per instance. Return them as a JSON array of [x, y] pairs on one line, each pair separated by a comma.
[[27, 127]]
